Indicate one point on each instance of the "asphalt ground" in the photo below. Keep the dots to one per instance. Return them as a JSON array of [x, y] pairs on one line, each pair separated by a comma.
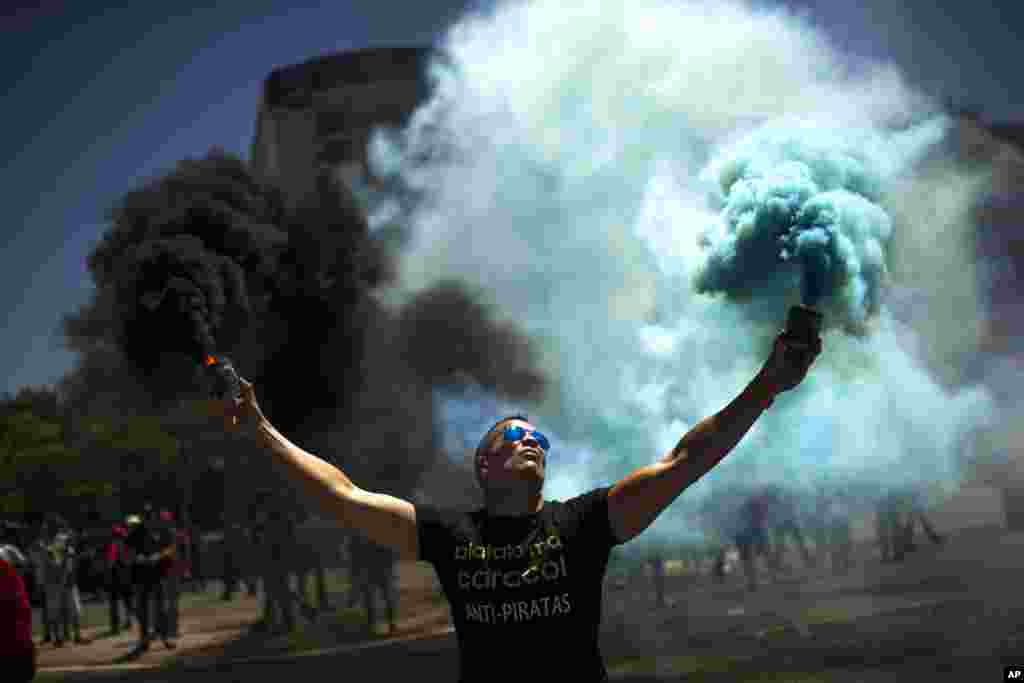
[[953, 613]]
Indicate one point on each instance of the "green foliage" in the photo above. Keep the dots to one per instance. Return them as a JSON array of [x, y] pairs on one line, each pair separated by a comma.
[[32, 452], [143, 434], [46, 467]]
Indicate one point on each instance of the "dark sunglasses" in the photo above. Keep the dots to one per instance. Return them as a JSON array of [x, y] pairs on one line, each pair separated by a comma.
[[514, 434]]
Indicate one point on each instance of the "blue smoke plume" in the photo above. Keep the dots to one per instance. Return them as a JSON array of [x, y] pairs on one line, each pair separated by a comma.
[[802, 209]]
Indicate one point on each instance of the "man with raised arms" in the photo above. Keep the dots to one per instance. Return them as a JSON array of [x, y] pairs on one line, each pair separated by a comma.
[[523, 575]]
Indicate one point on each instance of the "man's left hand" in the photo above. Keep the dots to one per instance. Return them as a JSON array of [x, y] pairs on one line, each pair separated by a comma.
[[789, 362]]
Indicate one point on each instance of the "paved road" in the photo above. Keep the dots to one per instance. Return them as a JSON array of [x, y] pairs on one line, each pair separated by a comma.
[[952, 614]]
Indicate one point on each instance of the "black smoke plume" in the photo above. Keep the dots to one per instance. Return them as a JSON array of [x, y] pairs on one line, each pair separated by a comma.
[[175, 271], [207, 259]]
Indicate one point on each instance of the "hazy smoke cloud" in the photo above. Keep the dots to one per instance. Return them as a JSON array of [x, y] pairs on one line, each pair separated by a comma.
[[582, 164]]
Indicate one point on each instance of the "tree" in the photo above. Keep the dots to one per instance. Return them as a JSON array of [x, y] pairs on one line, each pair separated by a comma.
[[40, 471]]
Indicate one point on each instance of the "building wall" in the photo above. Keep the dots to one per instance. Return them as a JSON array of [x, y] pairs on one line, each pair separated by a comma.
[[317, 116]]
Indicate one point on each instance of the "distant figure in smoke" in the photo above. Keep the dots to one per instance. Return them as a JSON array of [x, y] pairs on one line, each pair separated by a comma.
[[718, 529], [840, 532], [718, 565], [899, 513], [752, 537], [307, 563], [783, 520], [521, 568], [658, 575], [373, 570], [278, 547], [832, 530]]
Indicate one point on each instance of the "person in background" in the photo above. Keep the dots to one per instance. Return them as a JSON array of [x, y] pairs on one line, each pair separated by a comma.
[[783, 520], [38, 555], [752, 536], [153, 548], [195, 556], [887, 516], [307, 563], [901, 510], [172, 572], [818, 525], [118, 579], [238, 570], [248, 567], [718, 566], [131, 522], [15, 542], [17, 650], [840, 534], [352, 598], [10, 547], [279, 600], [373, 569], [62, 587], [658, 575]]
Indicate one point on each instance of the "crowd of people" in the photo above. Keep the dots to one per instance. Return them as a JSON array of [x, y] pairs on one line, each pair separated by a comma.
[[273, 557], [138, 565], [768, 524], [373, 573], [135, 567], [142, 567]]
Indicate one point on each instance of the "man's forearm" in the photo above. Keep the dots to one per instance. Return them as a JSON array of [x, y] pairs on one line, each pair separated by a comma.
[[318, 478], [713, 438]]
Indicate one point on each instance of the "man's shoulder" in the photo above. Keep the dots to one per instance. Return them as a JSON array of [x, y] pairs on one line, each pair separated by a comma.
[[584, 515], [596, 495], [456, 521], [446, 512], [438, 527]]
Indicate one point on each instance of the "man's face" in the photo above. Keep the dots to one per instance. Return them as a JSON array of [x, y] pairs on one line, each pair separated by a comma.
[[504, 461]]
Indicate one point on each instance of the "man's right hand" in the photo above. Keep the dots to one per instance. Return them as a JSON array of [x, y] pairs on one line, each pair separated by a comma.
[[239, 413]]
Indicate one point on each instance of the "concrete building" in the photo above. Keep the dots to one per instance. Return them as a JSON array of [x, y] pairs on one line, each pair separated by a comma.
[[317, 116]]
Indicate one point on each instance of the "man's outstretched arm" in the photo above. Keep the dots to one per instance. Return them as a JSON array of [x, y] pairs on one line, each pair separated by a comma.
[[385, 520], [637, 500]]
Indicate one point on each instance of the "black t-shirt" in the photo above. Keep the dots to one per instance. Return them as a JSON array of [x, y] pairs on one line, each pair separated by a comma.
[[541, 627]]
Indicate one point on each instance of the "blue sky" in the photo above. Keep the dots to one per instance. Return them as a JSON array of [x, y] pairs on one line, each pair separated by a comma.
[[94, 101]]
